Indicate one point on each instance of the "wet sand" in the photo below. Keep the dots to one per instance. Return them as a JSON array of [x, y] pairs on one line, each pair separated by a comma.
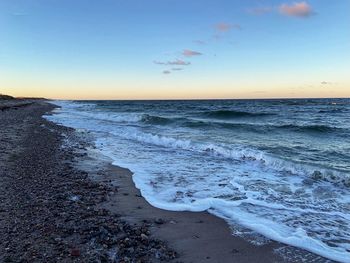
[[195, 236]]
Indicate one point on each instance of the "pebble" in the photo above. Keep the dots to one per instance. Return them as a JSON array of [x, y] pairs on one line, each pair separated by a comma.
[[75, 252], [52, 205]]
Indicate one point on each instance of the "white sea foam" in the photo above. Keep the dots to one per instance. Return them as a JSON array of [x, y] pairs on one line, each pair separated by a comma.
[[233, 152], [271, 196], [237, 152]]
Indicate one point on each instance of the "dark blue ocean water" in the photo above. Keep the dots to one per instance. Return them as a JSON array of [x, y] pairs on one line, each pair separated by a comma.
[[315, 132], [278, 167]]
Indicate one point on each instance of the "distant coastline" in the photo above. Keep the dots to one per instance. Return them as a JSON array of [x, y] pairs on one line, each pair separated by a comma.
[[9, 102]]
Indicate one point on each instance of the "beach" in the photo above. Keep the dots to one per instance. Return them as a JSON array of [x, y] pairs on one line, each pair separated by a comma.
[[51, 212], [60, 203], [150, 131]]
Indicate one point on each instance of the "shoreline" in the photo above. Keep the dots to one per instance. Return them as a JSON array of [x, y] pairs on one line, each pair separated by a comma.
[[61, 203], [195, 236]]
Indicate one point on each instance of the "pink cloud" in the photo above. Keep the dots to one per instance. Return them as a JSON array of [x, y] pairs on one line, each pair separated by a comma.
[[177, 62], [190, 53], [297, 9], [225, 27]]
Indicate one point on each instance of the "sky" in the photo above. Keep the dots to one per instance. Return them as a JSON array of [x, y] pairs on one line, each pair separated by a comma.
[[175, 49]]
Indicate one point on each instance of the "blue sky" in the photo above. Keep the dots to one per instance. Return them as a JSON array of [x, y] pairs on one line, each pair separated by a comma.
[[136, 49]]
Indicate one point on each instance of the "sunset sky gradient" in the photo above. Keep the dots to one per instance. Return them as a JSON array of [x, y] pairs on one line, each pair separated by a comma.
[[174, 49]]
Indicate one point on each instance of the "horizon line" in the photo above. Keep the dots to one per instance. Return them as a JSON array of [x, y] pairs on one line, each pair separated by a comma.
[[198, 99]]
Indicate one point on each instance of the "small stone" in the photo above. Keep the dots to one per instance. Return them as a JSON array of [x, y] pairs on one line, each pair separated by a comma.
[[317, 175], [75, 252]]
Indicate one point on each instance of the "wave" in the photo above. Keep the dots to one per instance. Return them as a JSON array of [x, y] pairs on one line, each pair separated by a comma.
[[310, 128], [224, 125], [125, 117], [261, 127], [240, 153], [235, 153], [157, 120], [230, 114], [197, 124], [332, 111]]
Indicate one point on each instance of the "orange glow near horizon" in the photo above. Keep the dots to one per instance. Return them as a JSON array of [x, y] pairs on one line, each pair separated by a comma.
[[193, 93], [170, 87]]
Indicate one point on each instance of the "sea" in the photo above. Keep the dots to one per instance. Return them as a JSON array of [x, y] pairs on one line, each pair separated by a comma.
[[277, 167]]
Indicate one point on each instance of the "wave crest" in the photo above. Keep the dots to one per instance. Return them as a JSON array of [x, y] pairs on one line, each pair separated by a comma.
[[157, 120], [230, 114]]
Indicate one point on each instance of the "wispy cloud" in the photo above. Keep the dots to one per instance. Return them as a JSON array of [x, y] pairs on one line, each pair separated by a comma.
[[260, 10], [225, 27], [324, 83], [18, 14], [297, 9], [177, 69], [178, 62], [159, 62], [166, 72], [190, 53]]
